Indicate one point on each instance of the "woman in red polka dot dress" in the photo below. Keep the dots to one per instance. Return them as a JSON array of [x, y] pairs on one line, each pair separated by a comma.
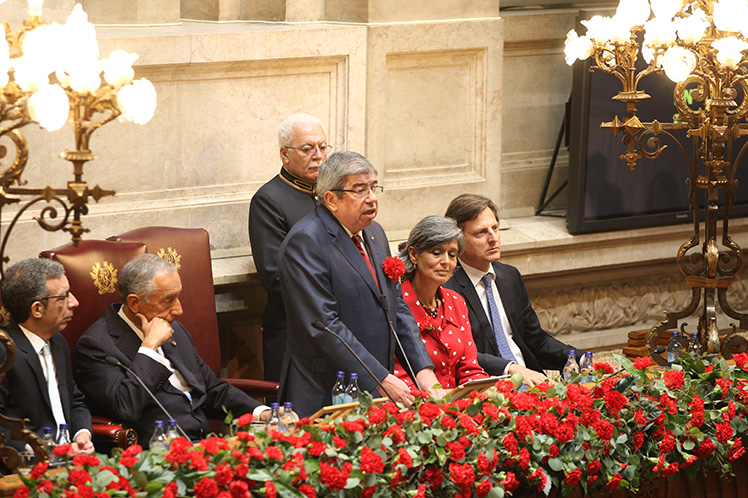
[[430, 257]]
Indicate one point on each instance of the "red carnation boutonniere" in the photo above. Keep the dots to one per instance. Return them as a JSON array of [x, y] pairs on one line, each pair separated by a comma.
[[394, 268]]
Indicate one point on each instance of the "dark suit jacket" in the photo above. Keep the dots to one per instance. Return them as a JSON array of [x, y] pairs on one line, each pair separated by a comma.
[[539, 349], [113, 393], [274, 209], [324, 277], [24, 394]]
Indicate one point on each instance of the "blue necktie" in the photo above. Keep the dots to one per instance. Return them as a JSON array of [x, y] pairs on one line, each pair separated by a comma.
[[498, 328]]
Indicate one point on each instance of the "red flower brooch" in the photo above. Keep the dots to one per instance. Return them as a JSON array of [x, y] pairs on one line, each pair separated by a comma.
[[394, 268]]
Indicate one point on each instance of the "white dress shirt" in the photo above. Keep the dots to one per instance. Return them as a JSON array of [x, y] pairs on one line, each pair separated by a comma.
[[476, 277], [38, 343], [176, 379]]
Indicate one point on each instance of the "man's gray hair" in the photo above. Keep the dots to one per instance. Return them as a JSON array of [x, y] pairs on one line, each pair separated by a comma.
[[285, 130], [137, 275], [25, 283], [334, 172], [429, 233]]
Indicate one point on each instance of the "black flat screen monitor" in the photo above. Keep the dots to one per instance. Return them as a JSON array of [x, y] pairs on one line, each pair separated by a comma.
[[604, 194]]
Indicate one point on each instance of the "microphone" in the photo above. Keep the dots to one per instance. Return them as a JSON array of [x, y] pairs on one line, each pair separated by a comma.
[[321, 326], [657, 350], [115, 362], [385, 306]]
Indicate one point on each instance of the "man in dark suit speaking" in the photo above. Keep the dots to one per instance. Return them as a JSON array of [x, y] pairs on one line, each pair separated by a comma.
[[331, 270], [40, 384], [505, 328], [143, 334]]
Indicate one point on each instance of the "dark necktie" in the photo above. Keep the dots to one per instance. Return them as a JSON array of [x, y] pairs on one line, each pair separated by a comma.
[[498, 328], [360, 246]]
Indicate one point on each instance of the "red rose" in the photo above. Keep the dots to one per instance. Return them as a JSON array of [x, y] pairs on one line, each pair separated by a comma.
[[332, 477], [483, 488], [206, 488], [705, 449], [614, 481], [270, 491], [79, 477], [510, 483], [603, 366], [308, 491], [394, 268], [724, 432], [573, 478], [82, 460], [22, 492], [642, 362], [615, 401], [673, 379], [39, 470], [170, 490], [371, 463], [736, 451], [740, 359]]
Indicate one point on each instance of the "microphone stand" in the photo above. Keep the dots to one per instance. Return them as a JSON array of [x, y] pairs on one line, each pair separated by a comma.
[[114, 361], [385, 306], [321, 326]]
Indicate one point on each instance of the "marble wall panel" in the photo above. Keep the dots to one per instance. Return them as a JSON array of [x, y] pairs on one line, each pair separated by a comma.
[[433, 115], [429, 95]]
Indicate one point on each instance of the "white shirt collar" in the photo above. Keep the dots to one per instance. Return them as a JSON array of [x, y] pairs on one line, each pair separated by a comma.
[[134, 328], [36, 342], [475, 275]]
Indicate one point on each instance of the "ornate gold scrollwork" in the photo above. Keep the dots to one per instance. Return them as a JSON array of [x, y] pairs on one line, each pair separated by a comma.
[[171, 255], [104, 276]]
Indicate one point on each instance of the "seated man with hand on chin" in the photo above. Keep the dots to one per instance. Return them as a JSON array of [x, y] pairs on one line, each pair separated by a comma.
[[143, 334]]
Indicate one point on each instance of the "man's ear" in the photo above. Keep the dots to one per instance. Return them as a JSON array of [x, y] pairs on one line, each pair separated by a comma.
[[331, 201], [37, 309], [284, 155], [133, 303]]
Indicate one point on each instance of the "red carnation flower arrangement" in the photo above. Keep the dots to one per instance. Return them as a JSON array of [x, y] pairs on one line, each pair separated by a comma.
[[394, 268]]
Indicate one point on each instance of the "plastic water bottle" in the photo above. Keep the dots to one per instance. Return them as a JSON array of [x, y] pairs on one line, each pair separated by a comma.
[[158, 442], [338, 390], [49, 443], [351, 392], [288, 419], [171, 432], [63, 435], [274, 421], [694, 345], [571, 369], [674, 348], [585, 367]]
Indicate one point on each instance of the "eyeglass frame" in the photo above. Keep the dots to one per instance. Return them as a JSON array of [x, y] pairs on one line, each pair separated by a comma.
[[361, 193], [61, 296], [312, 149]]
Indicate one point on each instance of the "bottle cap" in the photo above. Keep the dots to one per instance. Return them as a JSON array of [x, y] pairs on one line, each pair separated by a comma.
[[694, 335], [588, 354], [47, 430], [341, 373], [172, 423], [675, 333], [572, 351], [274, 406], [287, 405], [354, 375], [64, 426], [159, 423]]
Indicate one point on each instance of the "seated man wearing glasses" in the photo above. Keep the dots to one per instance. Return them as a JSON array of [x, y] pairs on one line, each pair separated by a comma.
[[331, 271], [274, 209], [40, 384]]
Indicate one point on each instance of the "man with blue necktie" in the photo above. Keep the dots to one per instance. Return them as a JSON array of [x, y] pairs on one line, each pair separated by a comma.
[[505, 328]]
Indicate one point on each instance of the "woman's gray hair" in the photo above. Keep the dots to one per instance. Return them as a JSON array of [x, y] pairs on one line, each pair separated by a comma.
[[25, 283], [137, 275], [429, 233], [338, 166], [285, 130]]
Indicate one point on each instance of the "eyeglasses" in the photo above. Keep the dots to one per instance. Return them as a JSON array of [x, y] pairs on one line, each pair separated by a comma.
[[362, 192], [308, 150], [61, 297]]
